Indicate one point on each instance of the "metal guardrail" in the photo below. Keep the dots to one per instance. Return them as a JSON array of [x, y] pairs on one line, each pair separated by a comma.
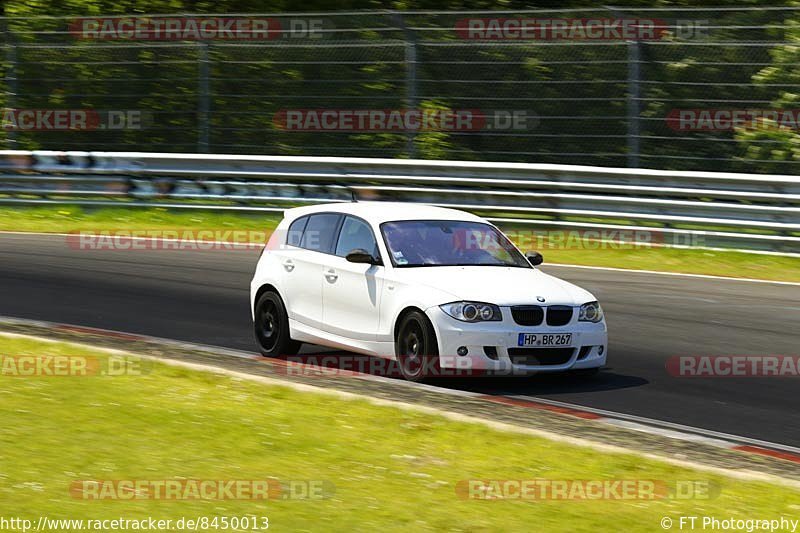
[[760, 212]]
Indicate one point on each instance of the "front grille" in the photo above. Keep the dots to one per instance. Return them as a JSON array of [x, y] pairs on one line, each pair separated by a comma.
[[540, 356], [527, 315], [559, 315]]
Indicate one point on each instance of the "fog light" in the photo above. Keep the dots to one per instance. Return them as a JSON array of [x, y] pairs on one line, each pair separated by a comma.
[[462, 351], [600, 350]]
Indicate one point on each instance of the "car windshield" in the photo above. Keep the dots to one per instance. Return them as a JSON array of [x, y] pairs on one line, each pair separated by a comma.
[[422, 243]]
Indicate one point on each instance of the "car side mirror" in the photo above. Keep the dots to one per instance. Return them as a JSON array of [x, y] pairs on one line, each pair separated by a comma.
[[359, 255], [534, 258]]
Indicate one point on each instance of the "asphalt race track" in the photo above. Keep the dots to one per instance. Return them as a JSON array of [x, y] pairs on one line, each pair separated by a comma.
[[203, 297]]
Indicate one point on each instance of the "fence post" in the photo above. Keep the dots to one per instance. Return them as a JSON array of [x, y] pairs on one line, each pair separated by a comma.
[[12, 86], [411, 78], [411, 89], [203, 98], [634, 92]]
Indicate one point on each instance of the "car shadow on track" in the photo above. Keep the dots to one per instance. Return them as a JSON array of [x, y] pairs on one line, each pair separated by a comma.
[[544, 383], [551, 384]]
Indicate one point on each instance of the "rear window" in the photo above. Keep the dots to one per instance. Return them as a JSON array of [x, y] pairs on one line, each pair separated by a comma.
[[295, 233], [320, 232]]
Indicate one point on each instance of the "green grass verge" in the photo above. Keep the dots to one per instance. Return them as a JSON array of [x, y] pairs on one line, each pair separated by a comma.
[[70, 218], [392, 469], [65, 219]]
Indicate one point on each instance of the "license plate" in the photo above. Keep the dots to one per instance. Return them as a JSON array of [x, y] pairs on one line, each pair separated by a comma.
[[544, 339]]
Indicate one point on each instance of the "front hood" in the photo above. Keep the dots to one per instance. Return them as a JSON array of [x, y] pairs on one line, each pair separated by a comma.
[[498, 285]]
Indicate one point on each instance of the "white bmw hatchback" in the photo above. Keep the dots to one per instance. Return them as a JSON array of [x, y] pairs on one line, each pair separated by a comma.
[[436, 289]]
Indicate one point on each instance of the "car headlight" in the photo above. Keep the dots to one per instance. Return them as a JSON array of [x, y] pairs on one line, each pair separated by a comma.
[[590, 312], [473, 311]]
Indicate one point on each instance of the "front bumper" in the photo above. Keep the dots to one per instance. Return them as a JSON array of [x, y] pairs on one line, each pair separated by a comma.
[[488, 345]]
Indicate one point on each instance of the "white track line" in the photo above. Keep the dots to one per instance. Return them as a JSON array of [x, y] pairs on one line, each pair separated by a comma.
[[257, 246], [668, 429], [679, 274]]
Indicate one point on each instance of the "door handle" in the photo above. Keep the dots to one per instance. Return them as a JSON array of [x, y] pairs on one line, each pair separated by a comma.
[[288, 265], [331, 275]]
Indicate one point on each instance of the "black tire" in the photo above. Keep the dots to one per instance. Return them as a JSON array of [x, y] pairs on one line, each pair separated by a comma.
[[416, 348], [271, 327]]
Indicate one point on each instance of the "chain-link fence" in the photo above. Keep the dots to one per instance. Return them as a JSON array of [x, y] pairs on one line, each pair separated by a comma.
[[536, 86]]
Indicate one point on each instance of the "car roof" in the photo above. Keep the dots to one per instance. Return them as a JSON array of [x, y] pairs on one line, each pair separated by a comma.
[[377, 212]]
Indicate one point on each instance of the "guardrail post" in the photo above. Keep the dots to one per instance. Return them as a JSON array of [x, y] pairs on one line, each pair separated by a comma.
[[633, 94], [203, 98]]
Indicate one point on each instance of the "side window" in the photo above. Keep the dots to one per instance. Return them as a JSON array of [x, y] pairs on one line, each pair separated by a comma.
[[320, 232], [356, 233], [295, 233]]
